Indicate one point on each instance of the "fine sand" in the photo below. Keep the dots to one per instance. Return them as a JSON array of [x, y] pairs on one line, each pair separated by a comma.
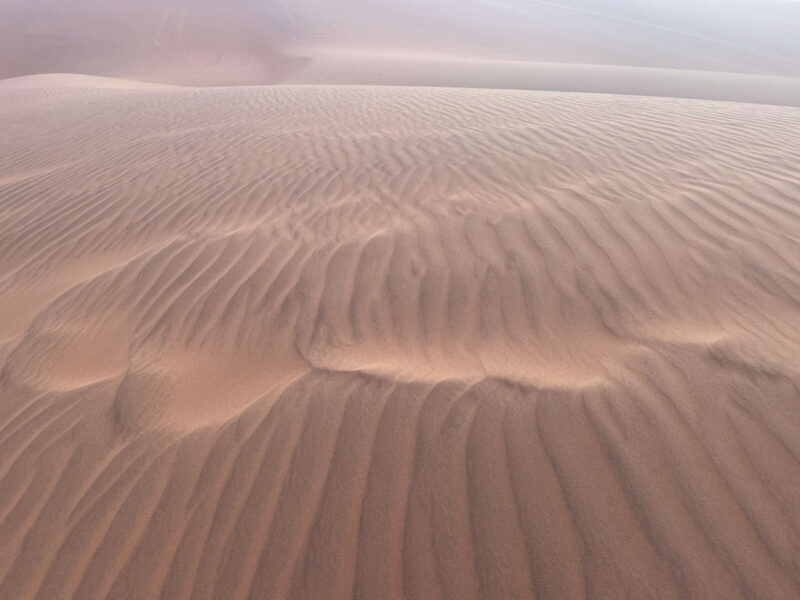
[[331, 342]]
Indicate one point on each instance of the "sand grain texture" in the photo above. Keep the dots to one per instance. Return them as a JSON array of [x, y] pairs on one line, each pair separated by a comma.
[[329, 342]]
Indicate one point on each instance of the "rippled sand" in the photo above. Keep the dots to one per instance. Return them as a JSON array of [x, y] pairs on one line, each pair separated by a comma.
[[361, 342]]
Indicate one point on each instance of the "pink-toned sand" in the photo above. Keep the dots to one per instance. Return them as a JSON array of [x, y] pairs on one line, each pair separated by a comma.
[[374, 342]]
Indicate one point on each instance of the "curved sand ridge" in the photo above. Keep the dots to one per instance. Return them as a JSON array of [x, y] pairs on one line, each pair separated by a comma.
[[301, 342]]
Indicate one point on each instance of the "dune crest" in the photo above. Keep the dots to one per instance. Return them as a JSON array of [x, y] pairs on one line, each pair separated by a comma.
[[330, 342]]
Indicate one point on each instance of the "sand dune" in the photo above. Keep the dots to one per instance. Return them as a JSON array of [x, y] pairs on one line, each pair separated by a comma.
[[331, 342], [352, 67], [749, 52]]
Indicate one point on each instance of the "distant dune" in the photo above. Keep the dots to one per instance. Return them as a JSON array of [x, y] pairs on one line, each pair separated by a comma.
[[741, 50], [331, 342]]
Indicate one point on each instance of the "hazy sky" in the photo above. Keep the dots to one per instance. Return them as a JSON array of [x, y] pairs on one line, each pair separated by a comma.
[[750, 36]]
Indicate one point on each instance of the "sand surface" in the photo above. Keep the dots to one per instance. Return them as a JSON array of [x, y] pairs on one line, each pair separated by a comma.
[[338, 342]]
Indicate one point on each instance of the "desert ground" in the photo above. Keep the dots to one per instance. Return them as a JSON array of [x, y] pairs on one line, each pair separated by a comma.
[[315, 300]]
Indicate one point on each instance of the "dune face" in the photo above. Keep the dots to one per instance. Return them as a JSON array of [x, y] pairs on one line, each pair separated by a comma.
[[331, 342]]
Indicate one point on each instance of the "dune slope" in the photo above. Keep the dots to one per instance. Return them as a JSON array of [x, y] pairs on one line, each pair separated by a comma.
[[328, 342]]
